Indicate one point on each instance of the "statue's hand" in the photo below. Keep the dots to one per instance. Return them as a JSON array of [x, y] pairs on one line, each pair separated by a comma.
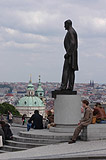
[[66, 56]]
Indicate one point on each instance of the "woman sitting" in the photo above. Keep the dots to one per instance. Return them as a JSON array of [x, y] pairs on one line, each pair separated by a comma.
[[99, 112], [7, 131], [50, 117], [2, 140]]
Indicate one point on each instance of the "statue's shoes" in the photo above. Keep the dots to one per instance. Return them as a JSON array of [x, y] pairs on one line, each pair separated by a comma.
[[61, 89], [69, 89], [71, 141]]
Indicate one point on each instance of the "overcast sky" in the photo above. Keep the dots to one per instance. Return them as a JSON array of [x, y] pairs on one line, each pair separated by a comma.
[[32, 34]]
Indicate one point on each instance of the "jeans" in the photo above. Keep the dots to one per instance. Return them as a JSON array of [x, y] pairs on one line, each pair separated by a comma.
[[29, 126]]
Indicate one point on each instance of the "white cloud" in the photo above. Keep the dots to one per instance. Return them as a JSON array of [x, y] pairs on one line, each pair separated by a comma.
[[32, 33], [100, 23]]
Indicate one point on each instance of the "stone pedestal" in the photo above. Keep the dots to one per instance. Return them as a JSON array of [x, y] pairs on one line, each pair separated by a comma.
[[67, 111]]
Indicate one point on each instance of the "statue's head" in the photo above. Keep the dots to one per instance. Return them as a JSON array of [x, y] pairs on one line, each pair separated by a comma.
[[67, 24]]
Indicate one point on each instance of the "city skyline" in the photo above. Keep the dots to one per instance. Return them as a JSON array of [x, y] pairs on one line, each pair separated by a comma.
[[32, 33], [12, 92]]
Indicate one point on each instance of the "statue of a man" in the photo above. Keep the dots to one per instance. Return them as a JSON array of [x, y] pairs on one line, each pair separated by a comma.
[[70, 63]]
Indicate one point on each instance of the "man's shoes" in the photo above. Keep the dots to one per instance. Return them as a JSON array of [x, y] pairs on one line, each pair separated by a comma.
[[71, 141]]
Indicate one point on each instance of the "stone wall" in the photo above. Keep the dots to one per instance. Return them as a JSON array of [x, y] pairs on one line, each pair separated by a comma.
[[16, 119], [96, 132]]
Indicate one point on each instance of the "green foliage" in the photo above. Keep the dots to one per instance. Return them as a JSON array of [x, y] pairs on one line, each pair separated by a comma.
[[2, 109], [5, 107]]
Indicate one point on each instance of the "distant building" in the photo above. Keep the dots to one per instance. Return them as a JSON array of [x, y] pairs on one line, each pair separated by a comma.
[[30, 102], [9, 98], [9, 95], [92, 83]]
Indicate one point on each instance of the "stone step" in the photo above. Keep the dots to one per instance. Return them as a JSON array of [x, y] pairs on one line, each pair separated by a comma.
[[12, 149], [19, 125], [36, 141], [21, 144], [46, 137], [62, 130], [1, 151]]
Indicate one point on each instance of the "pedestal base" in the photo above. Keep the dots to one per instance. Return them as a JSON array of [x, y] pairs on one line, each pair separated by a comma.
[[67, 112], [63, 129], [63, 92], [67, 109]]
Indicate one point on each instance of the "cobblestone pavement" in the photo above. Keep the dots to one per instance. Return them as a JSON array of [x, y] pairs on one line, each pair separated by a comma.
[[62, 150]]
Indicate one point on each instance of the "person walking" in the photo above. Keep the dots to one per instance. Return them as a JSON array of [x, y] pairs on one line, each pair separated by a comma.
[[23, 119], [10, 118], [84, 122]]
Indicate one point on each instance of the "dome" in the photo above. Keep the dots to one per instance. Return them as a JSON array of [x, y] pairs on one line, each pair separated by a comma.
[[30, 101]]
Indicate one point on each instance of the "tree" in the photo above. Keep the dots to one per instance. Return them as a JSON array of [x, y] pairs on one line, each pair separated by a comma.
[[2, 109], [5, 107]]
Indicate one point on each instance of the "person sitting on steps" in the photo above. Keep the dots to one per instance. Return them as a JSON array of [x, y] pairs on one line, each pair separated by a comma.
[[99, 112], [7, 130], [85, 121], [2, 141], [36, 121]]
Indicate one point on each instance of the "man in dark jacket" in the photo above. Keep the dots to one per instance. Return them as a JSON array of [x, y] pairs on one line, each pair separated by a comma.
[[36, 120], [70, 63]]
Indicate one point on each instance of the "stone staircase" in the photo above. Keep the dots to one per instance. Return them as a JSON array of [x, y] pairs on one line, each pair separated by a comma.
[[26, 140]]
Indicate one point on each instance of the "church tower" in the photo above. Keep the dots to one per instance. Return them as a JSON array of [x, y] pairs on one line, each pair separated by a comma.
[[30, 88], [29, 103], [39, 92]]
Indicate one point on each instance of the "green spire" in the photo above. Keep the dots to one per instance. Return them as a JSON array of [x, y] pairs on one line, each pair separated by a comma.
[[39, 92], [30, 85]]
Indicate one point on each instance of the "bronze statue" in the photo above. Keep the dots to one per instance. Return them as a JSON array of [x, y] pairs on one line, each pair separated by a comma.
[[70, 63]]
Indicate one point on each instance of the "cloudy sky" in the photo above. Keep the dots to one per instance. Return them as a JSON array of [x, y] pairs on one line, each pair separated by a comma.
[[32, 33]]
